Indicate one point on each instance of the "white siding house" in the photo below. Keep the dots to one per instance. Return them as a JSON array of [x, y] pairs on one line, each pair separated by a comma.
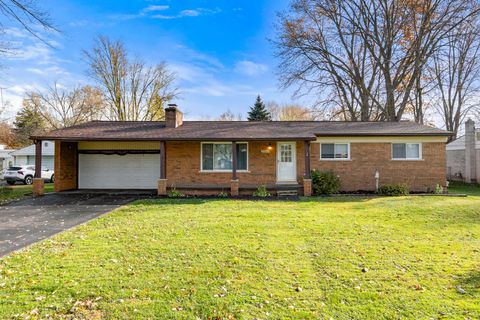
[[26, 155], [6, 159], [463, 155]]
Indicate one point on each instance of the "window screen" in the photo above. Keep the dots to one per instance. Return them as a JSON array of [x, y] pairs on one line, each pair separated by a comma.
[[218, 156], [406, 151], [334, 151]]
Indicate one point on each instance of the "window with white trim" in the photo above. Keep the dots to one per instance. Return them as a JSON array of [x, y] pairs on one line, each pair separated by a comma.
[[406, 151], [332, 151], [217, 156]]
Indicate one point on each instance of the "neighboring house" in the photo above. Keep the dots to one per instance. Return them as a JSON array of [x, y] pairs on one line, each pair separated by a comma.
[[208, 157], [463, 155], [26, 156], [6, 160]]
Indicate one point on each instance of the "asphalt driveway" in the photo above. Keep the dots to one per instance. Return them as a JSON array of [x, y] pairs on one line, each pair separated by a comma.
[[30, 220]]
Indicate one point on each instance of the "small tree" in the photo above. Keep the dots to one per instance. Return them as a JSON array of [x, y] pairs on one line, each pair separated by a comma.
[[259, 112], [60, 107], [28, 121]]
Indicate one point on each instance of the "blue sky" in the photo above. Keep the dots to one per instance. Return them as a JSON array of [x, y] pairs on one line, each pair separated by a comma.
[[218, 49]]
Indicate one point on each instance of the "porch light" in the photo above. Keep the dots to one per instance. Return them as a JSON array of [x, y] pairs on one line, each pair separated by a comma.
[[267, 149]]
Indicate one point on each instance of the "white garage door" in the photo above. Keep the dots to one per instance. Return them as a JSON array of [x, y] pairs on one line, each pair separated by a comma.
[[130, 171]]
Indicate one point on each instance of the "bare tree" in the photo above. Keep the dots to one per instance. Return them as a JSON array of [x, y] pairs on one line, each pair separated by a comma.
[[28, 15], [456, 72], [365, 55], [290, 112], [60, 107], [230, 116], [134, 91]]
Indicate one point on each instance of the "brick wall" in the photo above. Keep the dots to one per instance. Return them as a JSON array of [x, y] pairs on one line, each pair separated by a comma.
[[65, 166], [359, 172], [183, 165]]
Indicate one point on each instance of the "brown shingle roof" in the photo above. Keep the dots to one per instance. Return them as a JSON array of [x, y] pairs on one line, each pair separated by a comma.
[[236, 130]]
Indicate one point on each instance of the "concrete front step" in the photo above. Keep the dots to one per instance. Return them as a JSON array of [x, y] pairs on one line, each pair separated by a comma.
[[287, 193]]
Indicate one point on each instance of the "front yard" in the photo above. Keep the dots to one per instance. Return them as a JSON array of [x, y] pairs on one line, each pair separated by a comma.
[[9, 193], [340, 258]]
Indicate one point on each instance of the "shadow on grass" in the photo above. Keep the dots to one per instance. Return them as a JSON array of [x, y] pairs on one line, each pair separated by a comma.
[[472, 189], [470, 282], [202, 200]]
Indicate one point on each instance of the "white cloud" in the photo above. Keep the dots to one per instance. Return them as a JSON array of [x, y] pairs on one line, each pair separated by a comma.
[[199, 80], [189, 13], [156, 8], [250, 68], [142, 13]]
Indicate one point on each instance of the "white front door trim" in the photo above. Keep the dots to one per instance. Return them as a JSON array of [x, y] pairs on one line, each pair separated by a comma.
[[287, 170]]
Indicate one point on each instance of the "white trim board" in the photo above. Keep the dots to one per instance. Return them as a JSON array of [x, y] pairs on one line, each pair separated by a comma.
[[379, 139]]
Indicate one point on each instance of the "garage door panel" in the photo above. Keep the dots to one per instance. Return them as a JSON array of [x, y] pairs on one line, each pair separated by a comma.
[[130, 171]]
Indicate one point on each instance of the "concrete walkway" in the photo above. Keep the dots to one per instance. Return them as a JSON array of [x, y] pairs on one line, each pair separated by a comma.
[[30, 220]]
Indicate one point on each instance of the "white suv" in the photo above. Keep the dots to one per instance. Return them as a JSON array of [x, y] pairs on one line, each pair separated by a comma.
[[25, 174]]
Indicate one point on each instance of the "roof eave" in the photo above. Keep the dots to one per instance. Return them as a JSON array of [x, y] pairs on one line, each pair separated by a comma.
[[78, 139], [436, 134]]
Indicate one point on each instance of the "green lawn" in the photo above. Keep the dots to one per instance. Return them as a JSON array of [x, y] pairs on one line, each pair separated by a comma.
[[340, 258], [8, 193]]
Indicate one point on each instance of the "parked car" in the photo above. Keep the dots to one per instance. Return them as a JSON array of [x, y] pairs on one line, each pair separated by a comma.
[[25, 174]]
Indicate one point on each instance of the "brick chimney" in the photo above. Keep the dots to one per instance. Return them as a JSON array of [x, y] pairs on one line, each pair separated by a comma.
[[470, 152], [173, 116]]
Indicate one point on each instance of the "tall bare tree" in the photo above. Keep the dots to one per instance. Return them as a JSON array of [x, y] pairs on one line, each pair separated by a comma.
[[365, 55], [230, 116], [290, 112], [456, 73], [28, 15], [134, 91], [60, 107]]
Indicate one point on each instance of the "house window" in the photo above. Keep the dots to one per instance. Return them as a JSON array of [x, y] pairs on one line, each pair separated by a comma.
[[218, 156], [331, 151], [406, 151]]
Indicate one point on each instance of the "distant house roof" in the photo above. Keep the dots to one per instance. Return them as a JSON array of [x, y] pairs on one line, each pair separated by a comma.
[[48, 149], [459, 143], [236, 130], [5, 153]]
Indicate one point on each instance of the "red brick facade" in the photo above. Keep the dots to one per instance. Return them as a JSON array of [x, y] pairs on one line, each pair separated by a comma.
[[65, 166], [366, 158], [183, 167]]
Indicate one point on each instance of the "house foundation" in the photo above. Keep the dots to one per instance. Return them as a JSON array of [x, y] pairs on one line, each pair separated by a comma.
[[38, 189], [162, 187], [234, 187], [307, 187]]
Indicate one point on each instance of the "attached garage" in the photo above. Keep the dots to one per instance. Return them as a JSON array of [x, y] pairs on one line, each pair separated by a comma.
[[118, 170], [113, 171]]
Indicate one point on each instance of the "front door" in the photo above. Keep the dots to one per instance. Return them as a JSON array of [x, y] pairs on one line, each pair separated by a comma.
[[286, 162]]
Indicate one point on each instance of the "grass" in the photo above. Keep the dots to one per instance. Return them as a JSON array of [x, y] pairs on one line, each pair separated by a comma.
[[464, 188], [9, 193], [322, 258]]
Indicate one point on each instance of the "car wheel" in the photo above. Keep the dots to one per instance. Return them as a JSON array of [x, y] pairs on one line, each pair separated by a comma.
[[11, 183], [28, 180], [52, 179]]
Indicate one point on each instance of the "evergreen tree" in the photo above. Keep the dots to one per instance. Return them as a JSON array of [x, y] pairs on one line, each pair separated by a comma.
[[28, 122], [259, 112]]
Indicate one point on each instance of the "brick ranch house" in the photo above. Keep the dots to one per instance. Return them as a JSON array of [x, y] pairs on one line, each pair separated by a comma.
[[208, 157]]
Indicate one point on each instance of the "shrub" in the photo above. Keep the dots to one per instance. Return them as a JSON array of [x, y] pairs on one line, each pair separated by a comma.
[[223, 194], [174, 193], [438, 189], [393, 190], [261, 192], [324, 182]]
